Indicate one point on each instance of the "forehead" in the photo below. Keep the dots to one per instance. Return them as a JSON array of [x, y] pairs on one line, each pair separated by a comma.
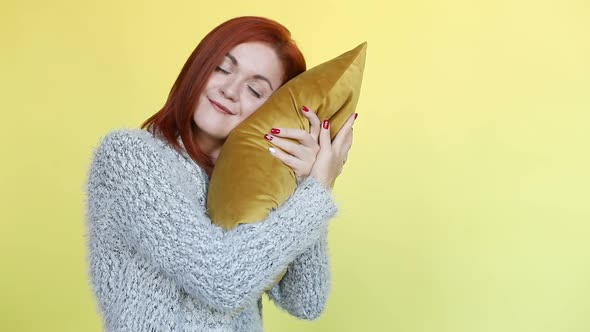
[[255, 58]]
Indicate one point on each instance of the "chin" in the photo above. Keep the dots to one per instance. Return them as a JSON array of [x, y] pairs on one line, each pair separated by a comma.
[[214, 126], [219, 134]]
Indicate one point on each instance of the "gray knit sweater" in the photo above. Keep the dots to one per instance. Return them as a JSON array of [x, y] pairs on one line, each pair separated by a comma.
[[157, 263]]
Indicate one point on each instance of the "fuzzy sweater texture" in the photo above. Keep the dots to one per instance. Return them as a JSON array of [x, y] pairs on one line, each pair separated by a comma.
[[158, 264]]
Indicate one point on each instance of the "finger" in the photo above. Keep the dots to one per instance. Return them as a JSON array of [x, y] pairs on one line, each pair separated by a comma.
[[325, 141], [299, 151], [314, 122], [286, 158], [300, 135], [347, 144], [344, 131]]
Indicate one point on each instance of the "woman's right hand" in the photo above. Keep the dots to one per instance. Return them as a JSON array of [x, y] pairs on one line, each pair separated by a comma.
[[333, 154]]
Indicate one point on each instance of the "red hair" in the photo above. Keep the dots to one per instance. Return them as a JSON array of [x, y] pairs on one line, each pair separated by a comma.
[[176, 116]]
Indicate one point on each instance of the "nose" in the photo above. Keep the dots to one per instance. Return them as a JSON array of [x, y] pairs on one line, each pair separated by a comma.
[[230, 89]]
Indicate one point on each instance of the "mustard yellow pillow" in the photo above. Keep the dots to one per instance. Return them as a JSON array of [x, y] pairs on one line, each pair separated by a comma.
[[247, 181]]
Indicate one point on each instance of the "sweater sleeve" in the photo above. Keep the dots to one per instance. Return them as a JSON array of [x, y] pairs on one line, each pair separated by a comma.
[[225, 269], [304, 290]]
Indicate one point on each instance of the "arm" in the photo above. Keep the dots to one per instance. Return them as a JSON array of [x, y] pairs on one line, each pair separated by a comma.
[[226, 270], [303, 291]]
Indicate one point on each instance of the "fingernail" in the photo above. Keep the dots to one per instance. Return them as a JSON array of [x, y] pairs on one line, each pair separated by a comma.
[[305, 109], [356, 115], [268, 137], [272, 150], [326, 124], [275, 131]]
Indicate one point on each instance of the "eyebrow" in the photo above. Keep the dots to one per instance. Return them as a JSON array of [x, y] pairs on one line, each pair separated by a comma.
[[259, 77]]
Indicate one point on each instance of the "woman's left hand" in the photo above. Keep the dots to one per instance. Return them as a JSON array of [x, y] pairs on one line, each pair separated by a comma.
[[300, 157]]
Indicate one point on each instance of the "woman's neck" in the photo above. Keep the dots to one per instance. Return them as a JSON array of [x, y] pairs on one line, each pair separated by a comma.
[[209, 145]]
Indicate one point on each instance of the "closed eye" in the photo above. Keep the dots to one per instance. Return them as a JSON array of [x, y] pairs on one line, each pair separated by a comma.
[[254, 92], [219, 69]]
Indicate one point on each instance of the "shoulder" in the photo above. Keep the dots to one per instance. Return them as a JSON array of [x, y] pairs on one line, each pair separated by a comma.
[[128, 138], [138, 162], [138, 152], [135, 142], [127, 149]]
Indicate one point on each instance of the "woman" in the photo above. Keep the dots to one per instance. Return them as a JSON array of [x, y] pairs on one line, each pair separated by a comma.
[[157, 263]]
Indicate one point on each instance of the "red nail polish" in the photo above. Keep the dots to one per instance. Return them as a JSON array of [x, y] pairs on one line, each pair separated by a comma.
[[356, 115], [305, 109], [268, 137], [275, 131], [326, 124]]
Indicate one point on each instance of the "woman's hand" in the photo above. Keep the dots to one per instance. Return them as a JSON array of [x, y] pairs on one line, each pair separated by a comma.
[[325, 160], [300, 157], [333, 154]]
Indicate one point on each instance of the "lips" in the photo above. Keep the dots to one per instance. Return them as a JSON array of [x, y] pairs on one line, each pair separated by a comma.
[[220, 107]]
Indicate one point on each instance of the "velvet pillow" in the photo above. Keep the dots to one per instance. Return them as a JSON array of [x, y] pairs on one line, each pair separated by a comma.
[[247, 181]]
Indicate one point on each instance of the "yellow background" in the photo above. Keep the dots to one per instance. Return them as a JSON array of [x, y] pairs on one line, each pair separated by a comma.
[[465, 204]]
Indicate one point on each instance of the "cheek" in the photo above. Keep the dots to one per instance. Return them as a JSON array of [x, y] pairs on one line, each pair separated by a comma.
[[201, 105], [214, 80], [254, 105], [247, 107]]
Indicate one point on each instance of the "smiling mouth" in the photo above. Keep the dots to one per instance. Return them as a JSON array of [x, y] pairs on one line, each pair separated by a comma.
[[220, 107]]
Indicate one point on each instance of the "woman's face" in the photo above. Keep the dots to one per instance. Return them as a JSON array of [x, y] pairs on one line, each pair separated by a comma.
[[242, 82]]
